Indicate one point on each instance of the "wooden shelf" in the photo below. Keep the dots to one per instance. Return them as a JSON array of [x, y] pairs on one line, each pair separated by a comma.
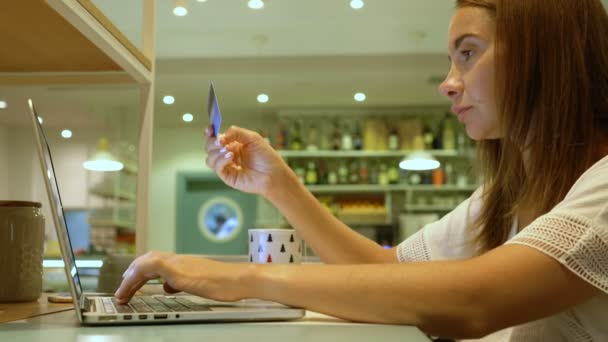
[[375, 188], [65, 36], [367, 154]]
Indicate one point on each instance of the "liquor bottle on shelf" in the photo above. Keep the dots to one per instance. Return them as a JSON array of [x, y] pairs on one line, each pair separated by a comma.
[[461, 142], [437, 140], [324, 143], [332, 176], [427, 137], [300, 172], [374, 173], [357, 139], [312, 139], [414, 178], [393, 139], [281, 136], [296, 137], [383, 175], [449, 174], [311, 174], [353, 173], [448, 134], [336, 137], [347, 139], [343, 173], [438, 177], [322, 171], [393, 173], [363, 172]]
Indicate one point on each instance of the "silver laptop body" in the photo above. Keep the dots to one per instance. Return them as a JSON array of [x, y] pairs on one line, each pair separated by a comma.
[[99, 310]]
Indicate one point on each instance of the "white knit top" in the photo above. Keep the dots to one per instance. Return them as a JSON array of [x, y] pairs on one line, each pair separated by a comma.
[[574, 232]]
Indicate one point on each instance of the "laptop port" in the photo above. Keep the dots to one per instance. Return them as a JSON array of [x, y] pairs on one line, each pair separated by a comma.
[[107, 318], [143, 316], [127, 317], [162, 316]]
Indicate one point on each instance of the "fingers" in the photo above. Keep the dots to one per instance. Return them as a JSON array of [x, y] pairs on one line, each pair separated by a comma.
[[242, 135], [169, 289], [144, 268]]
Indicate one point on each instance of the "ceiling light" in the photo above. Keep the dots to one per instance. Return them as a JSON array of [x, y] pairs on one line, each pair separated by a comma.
[[3, 104], [255, 4], [263, 98], [188, 117], [102, 159], [180, 9], [40, 120], [419, 161], [201, 0], [356, 4], [168, 99], [359, 97], [66, 133]]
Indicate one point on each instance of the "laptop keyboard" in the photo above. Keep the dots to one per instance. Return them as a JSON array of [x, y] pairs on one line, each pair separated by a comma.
[[143, 304]]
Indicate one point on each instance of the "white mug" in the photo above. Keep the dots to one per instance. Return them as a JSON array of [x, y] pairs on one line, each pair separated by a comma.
[[274, 246]]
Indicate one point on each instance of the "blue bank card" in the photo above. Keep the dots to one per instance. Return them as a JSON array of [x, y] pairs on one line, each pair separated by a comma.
[[215, 116]]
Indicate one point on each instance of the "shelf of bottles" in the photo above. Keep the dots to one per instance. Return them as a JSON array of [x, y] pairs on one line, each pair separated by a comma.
[[344, 154]]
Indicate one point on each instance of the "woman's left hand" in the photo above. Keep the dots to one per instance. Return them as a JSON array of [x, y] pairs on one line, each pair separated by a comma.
[[188, 273]]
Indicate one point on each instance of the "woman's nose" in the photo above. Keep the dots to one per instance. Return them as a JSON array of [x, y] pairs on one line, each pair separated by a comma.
[[451, 87]]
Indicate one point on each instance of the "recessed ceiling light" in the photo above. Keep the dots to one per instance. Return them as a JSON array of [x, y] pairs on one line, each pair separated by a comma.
[[263, 98], [201, 0], [3, 104], [359, 97], [168, 99], [356, 4], [187, 117], [66, 133], [255, 4], [40, 120]]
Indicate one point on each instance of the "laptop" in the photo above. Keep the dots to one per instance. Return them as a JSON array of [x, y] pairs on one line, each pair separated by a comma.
[[96, 309]]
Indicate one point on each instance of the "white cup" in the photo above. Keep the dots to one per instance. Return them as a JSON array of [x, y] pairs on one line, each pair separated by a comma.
[[274, 246]]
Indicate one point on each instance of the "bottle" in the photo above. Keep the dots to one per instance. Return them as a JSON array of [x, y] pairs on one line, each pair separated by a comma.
[[332, 177], [414, 178], [374, 174], [347, 140], [383, 175], [281, 136], [336, 137], [342, 173], [357, 139], [461, 142], [311, 174], [353, 174], [438, 177], [393, 139], [448, 134], [296, 138], [363, 172], [393, 173], [313, 137], [449, 174], [300, 172], [427, 137]]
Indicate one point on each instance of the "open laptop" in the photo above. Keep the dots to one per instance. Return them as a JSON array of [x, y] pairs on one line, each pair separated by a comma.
[[99, 310]]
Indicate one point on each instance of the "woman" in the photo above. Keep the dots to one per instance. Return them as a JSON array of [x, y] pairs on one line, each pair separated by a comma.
[[529, 249]]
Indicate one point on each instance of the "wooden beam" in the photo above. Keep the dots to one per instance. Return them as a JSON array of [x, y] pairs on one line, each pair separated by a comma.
[[146, 137], [21, 79]]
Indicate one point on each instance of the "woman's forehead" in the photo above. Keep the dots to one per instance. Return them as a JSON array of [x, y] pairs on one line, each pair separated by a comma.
[[470, 21]]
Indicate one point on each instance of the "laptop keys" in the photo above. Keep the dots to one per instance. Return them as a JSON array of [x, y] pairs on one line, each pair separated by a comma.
[[121, 308]]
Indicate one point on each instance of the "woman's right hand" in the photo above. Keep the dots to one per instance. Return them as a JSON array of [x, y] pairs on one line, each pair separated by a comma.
[[245, 161]]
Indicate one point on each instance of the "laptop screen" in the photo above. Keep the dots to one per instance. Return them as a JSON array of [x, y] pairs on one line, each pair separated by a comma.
[[56, 206]]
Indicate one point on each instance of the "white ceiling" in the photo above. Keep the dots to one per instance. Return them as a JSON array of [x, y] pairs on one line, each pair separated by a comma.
[[314, 53]]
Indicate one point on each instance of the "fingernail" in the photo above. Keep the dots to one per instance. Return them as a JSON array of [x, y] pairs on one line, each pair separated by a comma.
[[223, 150], [228, 155], [217, 143]]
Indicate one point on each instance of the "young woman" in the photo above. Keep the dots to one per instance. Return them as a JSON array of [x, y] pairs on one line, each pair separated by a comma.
[[528, 250]]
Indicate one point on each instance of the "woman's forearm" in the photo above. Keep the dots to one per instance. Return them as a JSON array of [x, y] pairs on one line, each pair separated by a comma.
[[434, 297], [330, 239]]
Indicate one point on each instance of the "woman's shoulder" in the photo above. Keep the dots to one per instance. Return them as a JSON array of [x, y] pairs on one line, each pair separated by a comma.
[[588, 196]]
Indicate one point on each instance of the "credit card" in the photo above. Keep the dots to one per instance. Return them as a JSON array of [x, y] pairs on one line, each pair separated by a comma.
[[215, 116]]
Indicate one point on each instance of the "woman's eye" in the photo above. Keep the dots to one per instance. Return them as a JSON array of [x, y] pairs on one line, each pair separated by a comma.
[[466, 54]]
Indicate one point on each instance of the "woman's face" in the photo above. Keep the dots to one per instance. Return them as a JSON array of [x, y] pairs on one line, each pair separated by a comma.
[[470, 82]]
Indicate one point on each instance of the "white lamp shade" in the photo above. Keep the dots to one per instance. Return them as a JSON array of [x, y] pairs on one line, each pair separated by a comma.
[[419, 161], [102, 160]]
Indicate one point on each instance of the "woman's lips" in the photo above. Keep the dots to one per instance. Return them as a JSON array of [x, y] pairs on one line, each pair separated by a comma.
[[461, 113]]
